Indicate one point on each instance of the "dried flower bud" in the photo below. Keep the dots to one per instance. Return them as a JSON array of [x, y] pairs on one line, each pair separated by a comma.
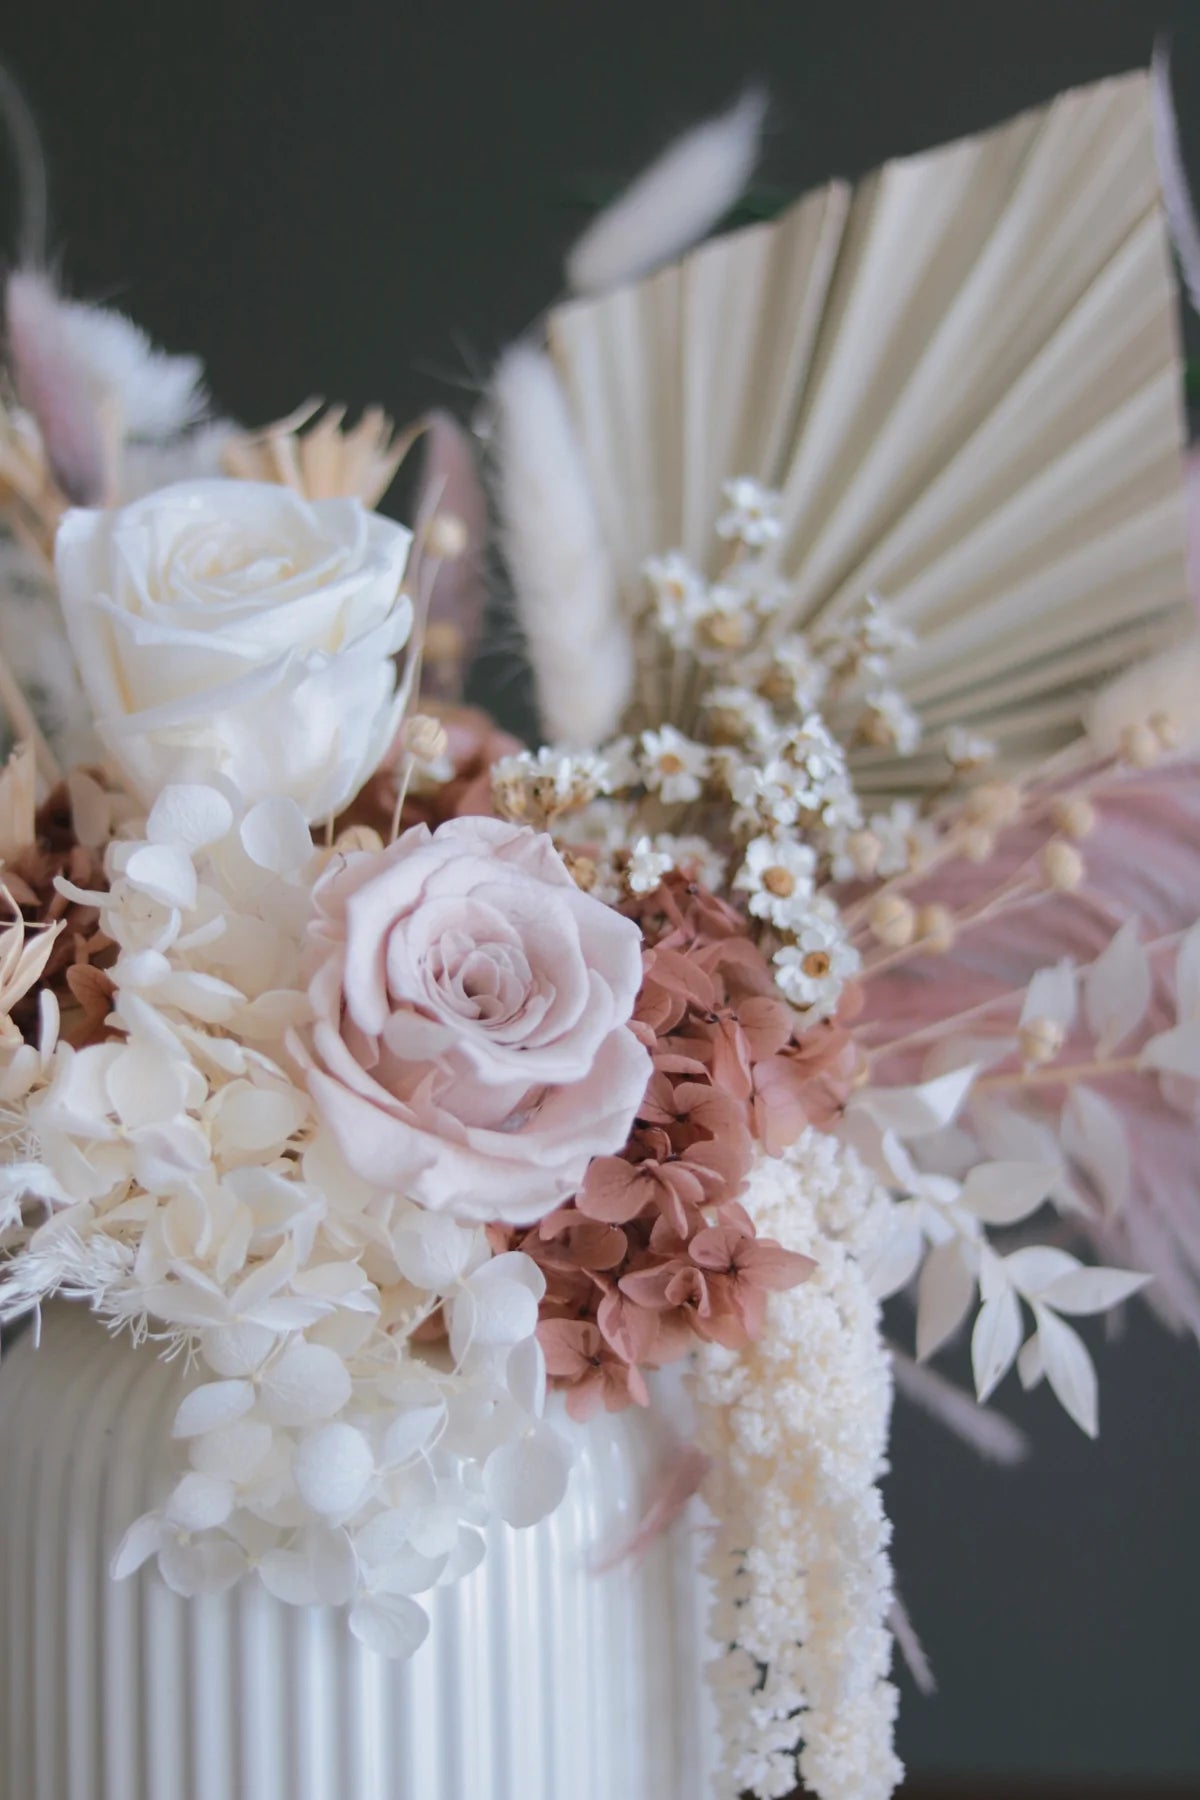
[[978, 844], [864, 850], [582, 870], [1166, 730], [446, 537], [357, 837], [1140, 746], [1074, 816], [1062, 867], [1041, 1040], [935, 927], [424, 737], [893, 921], [994, 804]]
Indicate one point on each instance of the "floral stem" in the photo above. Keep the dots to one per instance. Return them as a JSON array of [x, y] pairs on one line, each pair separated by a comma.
[[1061, 1076]]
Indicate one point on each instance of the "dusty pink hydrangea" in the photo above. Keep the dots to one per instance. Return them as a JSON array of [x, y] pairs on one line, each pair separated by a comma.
[[471, 1040]]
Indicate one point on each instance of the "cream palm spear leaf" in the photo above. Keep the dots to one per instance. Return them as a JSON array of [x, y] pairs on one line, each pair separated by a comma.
[[962, 374]]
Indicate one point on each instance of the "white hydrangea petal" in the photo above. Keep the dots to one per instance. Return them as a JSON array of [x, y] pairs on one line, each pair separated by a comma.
[[390, 1625], [286, 1575], [235, 1451], [413, 1429], [251, 1119], [143, 1539], [165, 872], [525, 1372], [333, 1467], [526, 1480], [407, 1572], [333, 1565], [276, 836], [205, 1565], [466, 1556], [197, 1502], [434, 1252], [307, 1382], [236, 1349], [212, 1405], [190, 816]]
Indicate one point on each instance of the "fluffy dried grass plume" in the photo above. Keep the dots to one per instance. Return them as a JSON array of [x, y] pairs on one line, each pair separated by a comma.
[[18, 802], [320, 457]]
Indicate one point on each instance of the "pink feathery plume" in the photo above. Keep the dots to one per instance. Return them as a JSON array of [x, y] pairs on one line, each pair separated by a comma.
[[452, 501], [58, 390]]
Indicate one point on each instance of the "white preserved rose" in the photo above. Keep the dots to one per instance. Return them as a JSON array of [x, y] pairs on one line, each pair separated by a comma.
[[234, 628]]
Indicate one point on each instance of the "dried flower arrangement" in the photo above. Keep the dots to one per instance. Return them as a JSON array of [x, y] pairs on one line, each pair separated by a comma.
[[837, 947]]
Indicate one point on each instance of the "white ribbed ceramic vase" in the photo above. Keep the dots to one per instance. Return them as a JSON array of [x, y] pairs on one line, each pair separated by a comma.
[[539, 1680]]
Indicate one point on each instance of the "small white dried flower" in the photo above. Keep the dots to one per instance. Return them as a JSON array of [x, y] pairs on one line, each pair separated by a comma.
[[737, 716], [678, 594], [673, 766], [813, 970], [966, 750], [647, 867], [777, 874], [889, 722], [752, 517]]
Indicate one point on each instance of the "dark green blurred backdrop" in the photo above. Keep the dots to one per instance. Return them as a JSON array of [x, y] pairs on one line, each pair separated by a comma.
[[365, 202]]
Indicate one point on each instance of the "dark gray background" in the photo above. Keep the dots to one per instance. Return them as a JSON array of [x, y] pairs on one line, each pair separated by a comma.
[[365, 206]]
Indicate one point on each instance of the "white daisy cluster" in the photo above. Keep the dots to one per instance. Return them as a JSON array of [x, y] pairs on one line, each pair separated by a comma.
[[536, 785], [178, 1172], [797, 1428]]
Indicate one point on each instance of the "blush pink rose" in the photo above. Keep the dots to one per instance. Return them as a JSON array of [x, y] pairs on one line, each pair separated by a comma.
[[471, 1040]]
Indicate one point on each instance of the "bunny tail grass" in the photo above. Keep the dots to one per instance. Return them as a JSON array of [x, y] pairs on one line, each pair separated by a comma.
[[578, 643], [674, 203]]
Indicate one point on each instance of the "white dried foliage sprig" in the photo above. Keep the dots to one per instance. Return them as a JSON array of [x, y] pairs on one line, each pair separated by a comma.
[[576, 637]]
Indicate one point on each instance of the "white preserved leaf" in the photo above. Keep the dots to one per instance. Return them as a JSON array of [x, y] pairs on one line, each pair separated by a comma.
[[1036, 1267], [944, 1297], [890, 1261], [1051, 995], [1069, 1369], [1030, 1367], [1001, 1193], [1093, 1136], [995, 1342], [913, 1112], [1083, 1290], [1117, 988], [1176, 1052]]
